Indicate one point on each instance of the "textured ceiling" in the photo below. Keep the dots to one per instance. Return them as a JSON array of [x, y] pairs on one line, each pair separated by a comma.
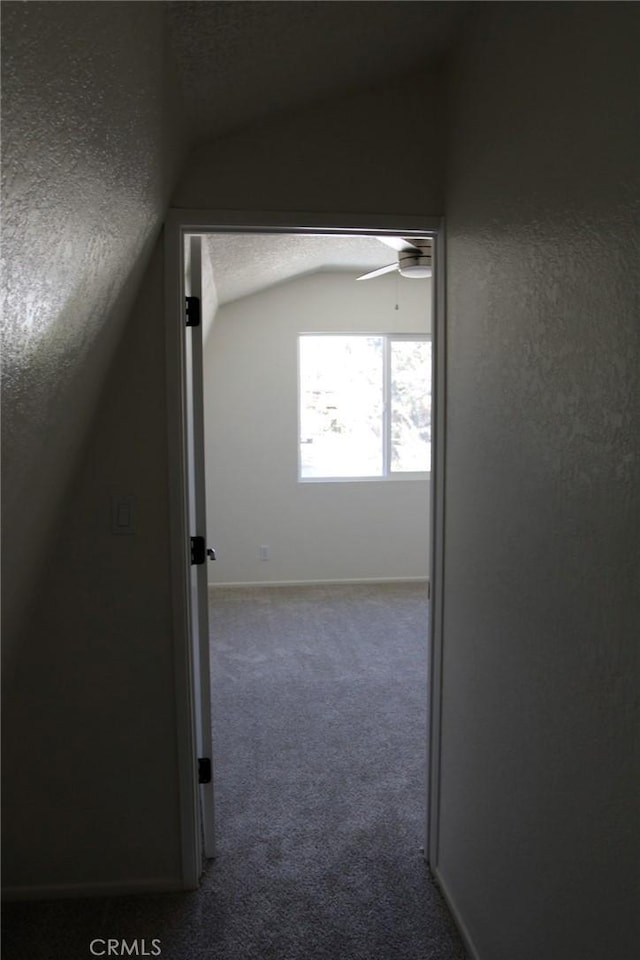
[[245, 263], [240, 62]]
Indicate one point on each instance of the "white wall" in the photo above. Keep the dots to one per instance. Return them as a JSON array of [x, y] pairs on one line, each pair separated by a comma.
[[90, 148], [90, 796], [539, 843], [373, 152], [315, 531]]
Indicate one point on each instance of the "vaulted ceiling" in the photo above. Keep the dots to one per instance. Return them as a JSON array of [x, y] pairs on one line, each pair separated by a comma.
[[243, 264]]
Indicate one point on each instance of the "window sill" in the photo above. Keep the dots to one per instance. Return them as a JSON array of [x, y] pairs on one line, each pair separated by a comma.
[[391, 478]]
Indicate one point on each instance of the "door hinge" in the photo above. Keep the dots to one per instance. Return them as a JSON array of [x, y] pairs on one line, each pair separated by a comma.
[[192, 311], [198, 552], [204, 770]]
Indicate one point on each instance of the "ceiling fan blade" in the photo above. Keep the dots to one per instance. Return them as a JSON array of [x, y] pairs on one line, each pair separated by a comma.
[[378, 273], [399, 243]]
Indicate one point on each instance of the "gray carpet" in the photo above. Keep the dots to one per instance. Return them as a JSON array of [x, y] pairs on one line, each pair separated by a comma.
[[319, 742]]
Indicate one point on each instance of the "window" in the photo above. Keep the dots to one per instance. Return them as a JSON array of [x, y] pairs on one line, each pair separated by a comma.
[[365, 406]]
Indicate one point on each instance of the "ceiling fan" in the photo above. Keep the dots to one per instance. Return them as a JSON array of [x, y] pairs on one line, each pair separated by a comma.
[[414, 258]]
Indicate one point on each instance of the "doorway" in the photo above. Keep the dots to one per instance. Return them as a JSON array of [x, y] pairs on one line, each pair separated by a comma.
[[184, 599]]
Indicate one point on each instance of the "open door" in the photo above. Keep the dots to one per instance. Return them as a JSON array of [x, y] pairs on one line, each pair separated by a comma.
[[197, 532], [186, 443]]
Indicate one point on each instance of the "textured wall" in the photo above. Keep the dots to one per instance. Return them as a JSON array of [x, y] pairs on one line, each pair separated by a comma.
[[316, 531], [246, 62], [539, 831], [89, 155], [99, 725], [87, 164], [375, 152], [91, 692]]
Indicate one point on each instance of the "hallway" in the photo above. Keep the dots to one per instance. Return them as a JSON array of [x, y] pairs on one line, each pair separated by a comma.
[[319, 731]]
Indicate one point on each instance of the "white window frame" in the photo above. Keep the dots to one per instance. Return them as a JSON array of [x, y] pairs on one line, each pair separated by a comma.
[[387, 473]]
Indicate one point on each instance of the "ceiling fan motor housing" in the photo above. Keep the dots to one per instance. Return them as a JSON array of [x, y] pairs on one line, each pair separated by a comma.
[[414, 263], [414, 259]]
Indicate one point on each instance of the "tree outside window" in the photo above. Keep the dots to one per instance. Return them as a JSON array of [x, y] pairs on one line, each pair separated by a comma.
[[365, 406]]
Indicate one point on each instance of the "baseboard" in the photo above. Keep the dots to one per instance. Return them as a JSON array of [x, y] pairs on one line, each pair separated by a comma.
[[73, 891], [319, 583], [455, 913]]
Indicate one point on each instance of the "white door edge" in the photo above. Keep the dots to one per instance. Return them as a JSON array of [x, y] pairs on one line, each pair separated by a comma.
[[436, 607], [198, 573], [191, 857]]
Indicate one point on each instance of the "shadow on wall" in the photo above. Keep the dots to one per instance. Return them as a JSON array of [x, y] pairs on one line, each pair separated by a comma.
[[87, 118]]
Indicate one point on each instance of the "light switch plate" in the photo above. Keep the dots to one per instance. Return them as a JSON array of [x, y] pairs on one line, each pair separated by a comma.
[[123, 516]]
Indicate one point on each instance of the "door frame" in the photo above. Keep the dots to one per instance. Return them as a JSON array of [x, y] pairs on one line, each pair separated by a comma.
[[182, 222]]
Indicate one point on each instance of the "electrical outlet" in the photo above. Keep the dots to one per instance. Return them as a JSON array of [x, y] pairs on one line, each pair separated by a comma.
[[264, 553]]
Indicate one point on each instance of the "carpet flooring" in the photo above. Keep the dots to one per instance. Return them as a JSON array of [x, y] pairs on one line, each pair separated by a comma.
[[319, 721]]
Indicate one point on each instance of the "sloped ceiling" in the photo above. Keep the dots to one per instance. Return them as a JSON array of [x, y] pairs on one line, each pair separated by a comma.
[[243, 264], [242, 62]]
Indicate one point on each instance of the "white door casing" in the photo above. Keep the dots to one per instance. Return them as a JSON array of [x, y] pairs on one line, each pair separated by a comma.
[[192, 659]]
